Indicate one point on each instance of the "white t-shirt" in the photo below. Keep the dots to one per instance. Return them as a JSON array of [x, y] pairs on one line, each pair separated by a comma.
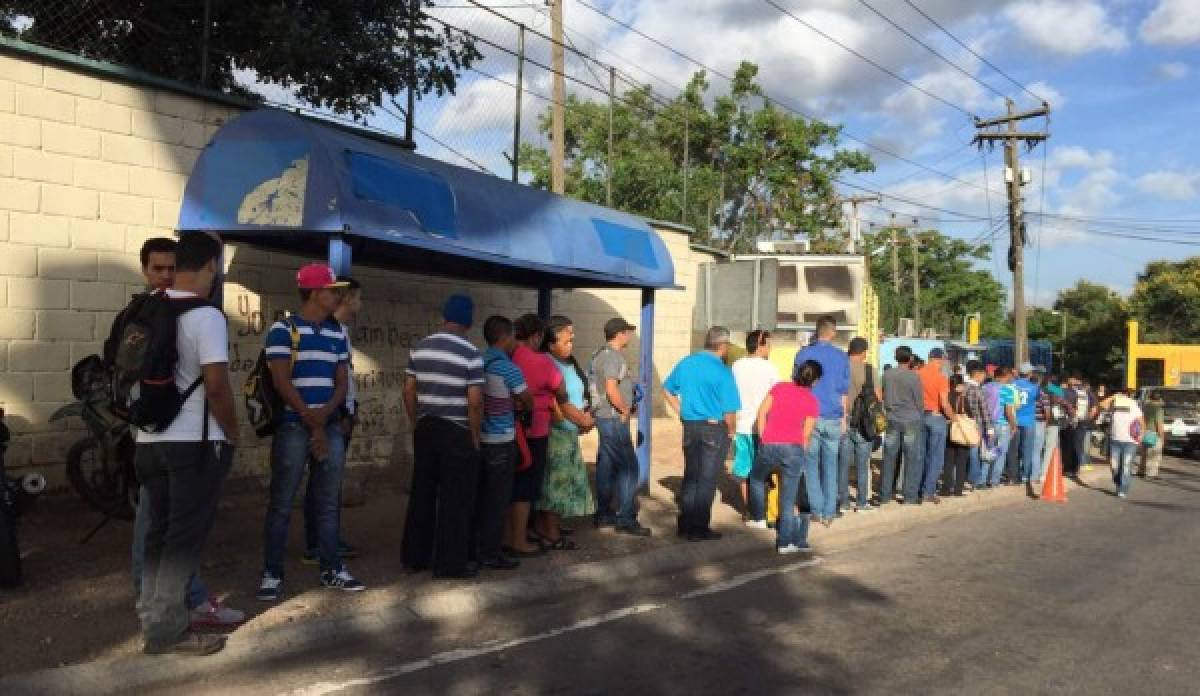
[[202, 338], [754, 377], [1124, 412]]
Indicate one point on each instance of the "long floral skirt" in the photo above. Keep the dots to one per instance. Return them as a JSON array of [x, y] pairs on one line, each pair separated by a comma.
[[565, 488]]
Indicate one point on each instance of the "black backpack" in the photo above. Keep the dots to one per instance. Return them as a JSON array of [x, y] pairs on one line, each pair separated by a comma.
[[264, 405], [142, 353], [867, 415]]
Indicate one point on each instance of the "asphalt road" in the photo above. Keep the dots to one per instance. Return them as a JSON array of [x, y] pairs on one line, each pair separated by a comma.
[[1097, 596]]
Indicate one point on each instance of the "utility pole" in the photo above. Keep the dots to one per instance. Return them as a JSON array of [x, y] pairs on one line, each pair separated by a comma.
[[916, 244], [558, 116], [612, 158], [854, 225], [1016, 223]]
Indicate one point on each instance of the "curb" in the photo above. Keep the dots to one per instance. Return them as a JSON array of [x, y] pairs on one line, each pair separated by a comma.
[[140, 672]]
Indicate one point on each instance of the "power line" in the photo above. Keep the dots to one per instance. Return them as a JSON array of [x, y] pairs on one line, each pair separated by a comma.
[[437, 141], [878, 66], [972, 51]]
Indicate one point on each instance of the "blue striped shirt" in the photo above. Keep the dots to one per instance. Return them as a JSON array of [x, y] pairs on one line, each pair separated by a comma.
[[503, 380], [444, 365], [322, 348]]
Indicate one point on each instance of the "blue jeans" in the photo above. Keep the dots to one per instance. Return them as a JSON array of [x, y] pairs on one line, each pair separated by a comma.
[[822, 467], [975, 473], [289, 459], [1003, 440], [1123, 454], [790, 461], [935, 427], [1039, 443], [1026, 440], [900, 436], [854, 449], [197, 591], [616, 472], [705, 445]]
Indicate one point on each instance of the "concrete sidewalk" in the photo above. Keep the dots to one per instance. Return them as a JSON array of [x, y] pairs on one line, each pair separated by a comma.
[[316, 617]]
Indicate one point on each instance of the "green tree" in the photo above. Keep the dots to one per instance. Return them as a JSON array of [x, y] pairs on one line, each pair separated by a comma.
[[1096, 319], [1166, 300], [344, 55], [754, 171], [951, 287]]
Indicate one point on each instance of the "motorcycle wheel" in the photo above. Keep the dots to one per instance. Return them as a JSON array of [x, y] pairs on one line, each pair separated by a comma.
[[100, 482], [10, 555]]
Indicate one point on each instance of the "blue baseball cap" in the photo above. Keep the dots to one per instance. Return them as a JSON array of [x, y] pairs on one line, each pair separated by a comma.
[[459, 309]]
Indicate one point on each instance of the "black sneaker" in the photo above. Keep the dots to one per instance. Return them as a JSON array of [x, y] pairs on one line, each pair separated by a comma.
[[634, 529], [194, 644], [341, 580]]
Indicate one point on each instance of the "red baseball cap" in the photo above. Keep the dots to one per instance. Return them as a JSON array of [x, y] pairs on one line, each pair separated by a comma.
[[318, 276]]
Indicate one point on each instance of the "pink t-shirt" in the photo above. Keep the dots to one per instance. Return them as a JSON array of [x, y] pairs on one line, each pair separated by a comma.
[[790, 407], [543, 379]]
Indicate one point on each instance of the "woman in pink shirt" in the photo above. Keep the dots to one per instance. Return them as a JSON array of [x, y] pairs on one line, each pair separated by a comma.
[[785, 422]]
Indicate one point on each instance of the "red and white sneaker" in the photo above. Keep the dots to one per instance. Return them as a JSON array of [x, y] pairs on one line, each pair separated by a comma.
[[212, 613]]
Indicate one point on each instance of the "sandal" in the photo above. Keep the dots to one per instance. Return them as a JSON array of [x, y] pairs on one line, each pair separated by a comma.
[[560, 544]]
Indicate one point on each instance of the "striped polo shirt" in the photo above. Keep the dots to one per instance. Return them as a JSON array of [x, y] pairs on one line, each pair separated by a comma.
[[502, 381], [444, 365], [322, 348]]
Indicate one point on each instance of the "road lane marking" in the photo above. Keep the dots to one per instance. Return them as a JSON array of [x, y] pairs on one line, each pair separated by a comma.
[[493, 646]]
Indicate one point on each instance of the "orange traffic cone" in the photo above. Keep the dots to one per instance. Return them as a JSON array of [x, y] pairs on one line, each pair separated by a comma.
[[1053, 489]]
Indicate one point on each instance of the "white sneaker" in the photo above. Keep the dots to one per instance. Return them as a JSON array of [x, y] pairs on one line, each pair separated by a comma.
[[756, 524], [269, 588], [213, 613], [341, 580], [790, 548]]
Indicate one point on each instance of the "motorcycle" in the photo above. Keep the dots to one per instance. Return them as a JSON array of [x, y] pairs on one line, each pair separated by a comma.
[[16, 496]]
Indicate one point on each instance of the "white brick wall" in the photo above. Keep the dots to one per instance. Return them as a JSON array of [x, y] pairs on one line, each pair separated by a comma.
[[90, 168]]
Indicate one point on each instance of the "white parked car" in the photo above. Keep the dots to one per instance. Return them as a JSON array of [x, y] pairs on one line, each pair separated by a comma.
[[1181, 413]]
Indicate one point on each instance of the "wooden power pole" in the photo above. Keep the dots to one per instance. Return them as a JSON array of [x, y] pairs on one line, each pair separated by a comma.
[[1016, 222], [854, 225], [558, 117]]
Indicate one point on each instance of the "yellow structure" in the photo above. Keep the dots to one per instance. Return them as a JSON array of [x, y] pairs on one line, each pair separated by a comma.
[[1160, 364], [783, 353]]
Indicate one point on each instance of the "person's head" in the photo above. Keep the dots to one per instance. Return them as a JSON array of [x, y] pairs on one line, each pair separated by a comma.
[[904, 355], [857, 350], [320, 290], [618, 332], [937, 356], [976, 370], [808, 374], [717, 341], [352, 302], [758, 343], [559, 338], [1003, 374], [458, 314], [498, 332], [158, 262], [826, 328], [916, 363], [1025, 369], [196, 258], [529, 329]]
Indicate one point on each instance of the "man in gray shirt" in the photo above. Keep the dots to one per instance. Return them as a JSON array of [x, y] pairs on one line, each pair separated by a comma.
[[905, 405]]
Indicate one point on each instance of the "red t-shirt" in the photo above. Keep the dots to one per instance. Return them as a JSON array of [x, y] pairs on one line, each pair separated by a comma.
[[791, 405], [543, 379]]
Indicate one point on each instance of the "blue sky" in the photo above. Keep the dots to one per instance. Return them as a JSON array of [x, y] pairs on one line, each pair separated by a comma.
[[1121, 77]]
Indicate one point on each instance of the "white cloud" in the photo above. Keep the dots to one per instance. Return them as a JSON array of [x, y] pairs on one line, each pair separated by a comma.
[[1174, 71], [1172, 23], [1169, 185], [1066, 27], [1048, 92]]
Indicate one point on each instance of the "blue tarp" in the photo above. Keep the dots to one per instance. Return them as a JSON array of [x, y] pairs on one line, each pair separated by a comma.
[[280, 179]]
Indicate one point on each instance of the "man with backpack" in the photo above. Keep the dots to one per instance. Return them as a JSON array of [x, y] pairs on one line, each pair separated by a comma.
[[187, 434], [308, 359], [158, 268], [859, 439]]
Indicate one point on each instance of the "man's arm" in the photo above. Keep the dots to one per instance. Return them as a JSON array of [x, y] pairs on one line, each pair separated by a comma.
[[731, 423], [220, 399], [475, 412], [410, 399], [1010, 411], [524, 400], [613, 391], [281, 377], [944, 399], [341, 384], [763, 410], [673, 401]]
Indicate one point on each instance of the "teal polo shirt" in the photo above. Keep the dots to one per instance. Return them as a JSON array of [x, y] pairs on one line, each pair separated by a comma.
[[705, 387]]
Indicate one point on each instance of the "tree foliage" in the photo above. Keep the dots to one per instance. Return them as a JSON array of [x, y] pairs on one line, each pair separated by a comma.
[[344, 55], [753, 171], [1166, 300], [1095, 317]]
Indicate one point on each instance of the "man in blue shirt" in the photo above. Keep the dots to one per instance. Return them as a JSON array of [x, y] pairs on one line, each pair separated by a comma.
[[702, 391], [1027, 394], [821, 469]]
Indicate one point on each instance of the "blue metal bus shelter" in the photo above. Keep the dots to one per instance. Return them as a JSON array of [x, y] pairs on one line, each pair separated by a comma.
[[278, 180]]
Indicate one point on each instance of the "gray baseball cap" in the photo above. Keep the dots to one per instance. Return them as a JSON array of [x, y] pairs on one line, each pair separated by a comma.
[[1026, 368]]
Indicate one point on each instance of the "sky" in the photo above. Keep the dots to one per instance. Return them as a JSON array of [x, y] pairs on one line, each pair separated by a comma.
[[1120, 77]]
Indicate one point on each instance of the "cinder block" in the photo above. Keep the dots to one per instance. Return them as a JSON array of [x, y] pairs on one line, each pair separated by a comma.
[[156, 183], [101, 175], [44, 104], [59, 325], [175, 105], [39, 356], [135, 97], [119, 268], [127, 149], [69, 140], [3, 225], [15, 387], [175, 158], [130, 210], [160, 128], [101, 115], [18, 261], [52, 386], [82, 349], [39, 230], [8, 97], [20, 130], [35, 293], [6, 160], [72, 82], [166, 213], [67, 264], [194, 135], [16, 324], [97, 235], [42, 166], [98, 296], [70, 201], [20, 70]]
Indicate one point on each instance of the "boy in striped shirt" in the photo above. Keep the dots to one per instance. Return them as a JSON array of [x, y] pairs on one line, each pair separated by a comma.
[[312, 379]]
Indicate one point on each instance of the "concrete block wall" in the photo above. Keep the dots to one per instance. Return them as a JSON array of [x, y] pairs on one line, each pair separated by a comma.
[[91, 167]]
